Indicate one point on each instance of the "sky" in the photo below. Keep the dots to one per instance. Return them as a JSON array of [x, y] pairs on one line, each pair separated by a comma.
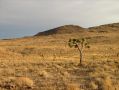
[[19, 18]]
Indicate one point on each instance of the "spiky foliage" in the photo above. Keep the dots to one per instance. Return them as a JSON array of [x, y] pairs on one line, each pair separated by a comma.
[[80, 44]]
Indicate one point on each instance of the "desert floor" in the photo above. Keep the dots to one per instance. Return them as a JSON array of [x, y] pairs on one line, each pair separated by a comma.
[[47, 63]]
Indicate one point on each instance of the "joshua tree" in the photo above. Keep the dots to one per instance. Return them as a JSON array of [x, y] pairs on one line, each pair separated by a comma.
[[80, 44]]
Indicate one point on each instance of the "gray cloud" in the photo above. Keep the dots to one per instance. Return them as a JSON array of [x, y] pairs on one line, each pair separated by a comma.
[[28, 17]]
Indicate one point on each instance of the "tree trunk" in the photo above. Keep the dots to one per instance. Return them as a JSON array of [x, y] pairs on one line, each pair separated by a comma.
[[81, 55]]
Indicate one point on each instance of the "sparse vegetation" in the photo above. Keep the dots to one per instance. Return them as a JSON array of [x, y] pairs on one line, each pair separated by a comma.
[[47, 63]]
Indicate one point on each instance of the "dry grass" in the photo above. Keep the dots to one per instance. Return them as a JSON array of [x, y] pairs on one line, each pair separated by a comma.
[[73, 87], [47, 63], [17, 83]]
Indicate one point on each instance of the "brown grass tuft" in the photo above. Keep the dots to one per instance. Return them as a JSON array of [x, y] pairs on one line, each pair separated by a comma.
[[73, 87]]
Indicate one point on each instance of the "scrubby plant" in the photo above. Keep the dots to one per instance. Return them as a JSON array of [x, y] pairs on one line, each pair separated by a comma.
[[80, 44], [17, 83]]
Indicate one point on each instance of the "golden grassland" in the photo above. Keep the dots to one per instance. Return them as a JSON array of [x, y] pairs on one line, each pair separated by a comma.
[[47, 63]]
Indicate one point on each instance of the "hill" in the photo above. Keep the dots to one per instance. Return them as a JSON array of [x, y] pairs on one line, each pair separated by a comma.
[[71, 29], [66, 29], [47, 62], [106, 28]]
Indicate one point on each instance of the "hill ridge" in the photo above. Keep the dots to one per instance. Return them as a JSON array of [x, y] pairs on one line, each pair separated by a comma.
[[66, 29]]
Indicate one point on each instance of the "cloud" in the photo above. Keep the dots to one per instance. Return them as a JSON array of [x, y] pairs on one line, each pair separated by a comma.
[[44, 14], [33, 11]]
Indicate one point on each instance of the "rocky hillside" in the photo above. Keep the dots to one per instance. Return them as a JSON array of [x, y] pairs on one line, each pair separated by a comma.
[[69, 29], [106, 28], [66, 29]]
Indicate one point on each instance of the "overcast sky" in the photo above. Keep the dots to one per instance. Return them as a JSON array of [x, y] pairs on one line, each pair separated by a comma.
[[27, 17]]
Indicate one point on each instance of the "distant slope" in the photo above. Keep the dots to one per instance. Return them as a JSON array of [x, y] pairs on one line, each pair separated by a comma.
[[106, 27], [69, 29], [63, 30]]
